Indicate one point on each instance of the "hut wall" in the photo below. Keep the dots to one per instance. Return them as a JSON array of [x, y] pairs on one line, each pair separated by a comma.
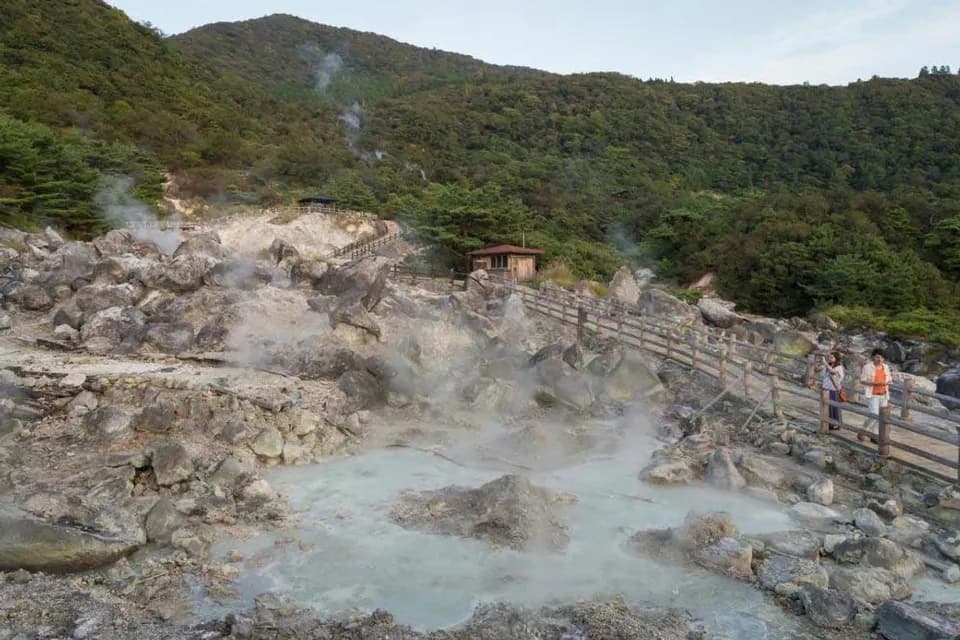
[[523, 267]]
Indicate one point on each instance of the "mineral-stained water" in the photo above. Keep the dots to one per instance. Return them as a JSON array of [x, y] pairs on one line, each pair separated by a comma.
[[344, 553]]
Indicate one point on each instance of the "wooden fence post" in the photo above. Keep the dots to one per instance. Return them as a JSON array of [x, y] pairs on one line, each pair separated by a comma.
[[775, 395], [747, 370], [694, 348], [724, 354], [669, 343], [907, 399], [619, 328], [824, 411], [883, 433], [581, 322]]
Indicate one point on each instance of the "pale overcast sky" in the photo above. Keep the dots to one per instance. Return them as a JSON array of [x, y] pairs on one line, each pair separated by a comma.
[[773, 41]]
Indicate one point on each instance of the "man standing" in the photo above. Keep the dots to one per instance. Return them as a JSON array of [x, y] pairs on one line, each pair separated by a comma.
[[875, 378]]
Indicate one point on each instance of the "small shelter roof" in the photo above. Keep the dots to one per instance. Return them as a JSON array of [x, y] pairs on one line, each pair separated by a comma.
[[317, 199], [506, 249]]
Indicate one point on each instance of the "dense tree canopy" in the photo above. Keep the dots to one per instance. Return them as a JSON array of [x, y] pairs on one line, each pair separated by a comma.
[[794, 196]]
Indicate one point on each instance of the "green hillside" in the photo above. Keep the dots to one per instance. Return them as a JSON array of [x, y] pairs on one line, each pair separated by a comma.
[[795, 196]]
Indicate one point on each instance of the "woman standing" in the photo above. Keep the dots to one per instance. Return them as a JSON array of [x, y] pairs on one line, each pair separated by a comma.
[[832, 383]]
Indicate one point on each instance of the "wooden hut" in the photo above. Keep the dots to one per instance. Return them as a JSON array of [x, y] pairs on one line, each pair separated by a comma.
[[515, 263], [317, 201]]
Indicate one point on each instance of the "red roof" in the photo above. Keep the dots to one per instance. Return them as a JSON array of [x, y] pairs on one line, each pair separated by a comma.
[[506, 248]]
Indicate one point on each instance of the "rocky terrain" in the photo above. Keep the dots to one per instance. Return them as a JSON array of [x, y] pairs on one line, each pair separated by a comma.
[[146, 394]]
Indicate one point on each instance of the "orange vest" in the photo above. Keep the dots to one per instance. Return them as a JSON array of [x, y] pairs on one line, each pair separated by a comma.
[[879, 380]]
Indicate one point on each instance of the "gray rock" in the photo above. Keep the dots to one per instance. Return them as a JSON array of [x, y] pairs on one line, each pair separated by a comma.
[[31, 543], [717, 313], [821, 492], [202, 244], [183, 274], [721, 472], [354, 314], [32, 297], [879, 552], [815, 516], [871, 584], [605, 363], [68, 315], [869, 522], [911, 532], [268, 443], [947, 544], [792, 343], [6, 322], [507, 512], [116, 325], [633, 378], [363, 280], [228, 473], [235, 432], [760, 473], [888, 508], [915, 621], [65, 334], [667, 470], [779, 572], [654, 302], [797, 543], [827, 608], [156, 418], [97, 297], [702, 529], [170, 337], [623, 286], [728, 556], [114, 243], [162, 521], [108, 424], [948, 384], [171, 463], [573, 356], [363, 390]]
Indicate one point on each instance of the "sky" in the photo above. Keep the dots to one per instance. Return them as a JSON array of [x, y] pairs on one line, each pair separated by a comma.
[[771, 41]]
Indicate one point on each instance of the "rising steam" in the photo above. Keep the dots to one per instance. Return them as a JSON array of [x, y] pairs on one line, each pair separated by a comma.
[[118, 205], [324, 66]]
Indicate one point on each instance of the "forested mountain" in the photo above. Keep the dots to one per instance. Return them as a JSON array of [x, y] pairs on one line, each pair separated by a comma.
[[795, 196]]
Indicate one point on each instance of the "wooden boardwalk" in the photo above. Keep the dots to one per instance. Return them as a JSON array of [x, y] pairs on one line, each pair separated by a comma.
[[914, 431]]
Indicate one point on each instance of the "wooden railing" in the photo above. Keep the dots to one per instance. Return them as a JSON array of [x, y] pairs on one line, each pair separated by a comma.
[[369, 246], [420, 274], [929, 443]]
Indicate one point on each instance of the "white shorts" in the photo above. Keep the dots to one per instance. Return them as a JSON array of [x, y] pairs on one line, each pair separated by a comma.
[[875, 403]]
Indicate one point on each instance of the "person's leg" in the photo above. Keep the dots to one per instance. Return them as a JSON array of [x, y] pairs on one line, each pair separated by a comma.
[[873, 406], [834, 411]]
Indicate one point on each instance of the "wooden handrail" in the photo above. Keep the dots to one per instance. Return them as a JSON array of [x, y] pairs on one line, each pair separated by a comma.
[[727, 359]]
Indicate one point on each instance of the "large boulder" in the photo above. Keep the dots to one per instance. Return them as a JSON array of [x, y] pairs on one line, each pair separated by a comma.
[[268, 443], [33, 297], [107, 424], [827, 608], [879, 552], [793, 343], [162, 520], [156, 418], [35, 544], [116, 325], [722, 473], [351, 312], [114, 243], [171, 463], [170, 337], [869, 522], [362, 389], [363, 280], [507, 512], [668, 466], [797, 543], [917, 621], [623, 286], [728, 556], [183, 274], [717, 312], [654, 302], [759, 472], [948, 384], [632, 378], [202, 244], [779, 572], [561, 385], [815, 516], [237, 273], [97, 297], [871, 584]]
